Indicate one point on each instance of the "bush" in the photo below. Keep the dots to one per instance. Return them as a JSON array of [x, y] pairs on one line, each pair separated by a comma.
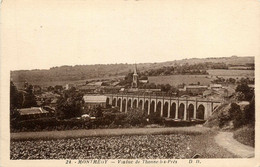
[[223, 119], [245, 92], [111, 117], [239, 117], [249, 113], [135, 117], [173, 123], [43, 124], [236, 115], [155, 118]]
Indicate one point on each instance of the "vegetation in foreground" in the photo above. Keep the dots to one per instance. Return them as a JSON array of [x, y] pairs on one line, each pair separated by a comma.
[[205, 146], [182, 145], [238, 117], [246, 135], [117, 147]]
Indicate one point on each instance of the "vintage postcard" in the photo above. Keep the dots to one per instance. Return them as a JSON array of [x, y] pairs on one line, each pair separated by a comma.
[[129, 83]]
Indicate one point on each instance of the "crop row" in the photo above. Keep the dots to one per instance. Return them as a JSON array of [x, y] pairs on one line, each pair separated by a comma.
[[116, 147]]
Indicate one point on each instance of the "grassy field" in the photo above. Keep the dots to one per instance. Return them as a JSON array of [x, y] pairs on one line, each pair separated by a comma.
[[245, 135], [63, 83], [50, 83], [175, 80], [232, 73], [105, 132], [205, 146]]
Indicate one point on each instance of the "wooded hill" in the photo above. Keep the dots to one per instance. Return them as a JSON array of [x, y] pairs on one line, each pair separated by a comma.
[[83, 72]]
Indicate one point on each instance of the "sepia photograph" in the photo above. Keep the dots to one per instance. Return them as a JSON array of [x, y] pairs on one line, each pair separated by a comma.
[[129, 82]]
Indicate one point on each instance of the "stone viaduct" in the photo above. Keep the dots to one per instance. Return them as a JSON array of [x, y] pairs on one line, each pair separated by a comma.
[[168, 107]]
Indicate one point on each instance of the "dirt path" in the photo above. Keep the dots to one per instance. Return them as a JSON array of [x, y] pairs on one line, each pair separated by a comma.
[[226, 140], [105, 132]]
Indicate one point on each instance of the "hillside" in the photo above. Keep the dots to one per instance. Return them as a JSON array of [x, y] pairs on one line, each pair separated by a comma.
[[213, 120], [84, 72]]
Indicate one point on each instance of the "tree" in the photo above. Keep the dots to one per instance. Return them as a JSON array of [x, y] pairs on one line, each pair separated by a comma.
[[234, 110], [249, 113], [70, 104], [50, 88], [247, 93], [58, 88], [244, 88], [29, 100], [135, 117], [167, 87], [231, 80], [15, 100], [236, 115], [13, 96]]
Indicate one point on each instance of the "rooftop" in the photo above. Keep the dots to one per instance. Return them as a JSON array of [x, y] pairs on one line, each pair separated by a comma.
[[31, 111], [94, 98]]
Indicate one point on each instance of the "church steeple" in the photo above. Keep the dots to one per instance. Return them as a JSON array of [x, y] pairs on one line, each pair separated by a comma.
[[135, 78], [135, 70]]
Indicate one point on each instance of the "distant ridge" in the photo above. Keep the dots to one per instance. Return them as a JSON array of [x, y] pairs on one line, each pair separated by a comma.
[[83, 72]]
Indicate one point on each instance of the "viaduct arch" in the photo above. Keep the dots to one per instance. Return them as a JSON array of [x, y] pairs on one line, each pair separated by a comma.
[[168, 107]]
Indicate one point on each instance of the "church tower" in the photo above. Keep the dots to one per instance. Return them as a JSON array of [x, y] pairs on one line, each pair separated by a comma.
[[135, 78]]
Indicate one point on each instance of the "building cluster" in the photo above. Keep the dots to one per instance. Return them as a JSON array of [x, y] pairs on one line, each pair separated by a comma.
[[95, 92]]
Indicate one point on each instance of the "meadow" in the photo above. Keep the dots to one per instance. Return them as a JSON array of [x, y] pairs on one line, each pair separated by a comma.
[[175, 80], [232, 73], [46, 83]]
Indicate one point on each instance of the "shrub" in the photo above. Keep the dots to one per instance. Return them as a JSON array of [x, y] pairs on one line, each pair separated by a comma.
[[239, 117], [249, 113], [247, 92], [111, 117], [155, 118], [135, 117], [223, 119]]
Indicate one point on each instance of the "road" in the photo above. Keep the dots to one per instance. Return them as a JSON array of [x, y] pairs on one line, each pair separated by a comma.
[[226, 140]]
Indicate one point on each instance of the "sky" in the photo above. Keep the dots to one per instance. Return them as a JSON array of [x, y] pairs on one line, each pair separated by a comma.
[[42, 34]]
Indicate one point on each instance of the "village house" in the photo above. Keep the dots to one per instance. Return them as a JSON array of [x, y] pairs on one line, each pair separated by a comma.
[[144, 80], [194, 89], [223, 92], [93, 101], [111, 89], [34, 112], [215, 86], [87, 89], [68, 86]]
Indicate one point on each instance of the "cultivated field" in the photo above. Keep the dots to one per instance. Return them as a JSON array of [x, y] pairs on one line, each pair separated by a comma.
[[183, 142], [175, 80], [121, 147]]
